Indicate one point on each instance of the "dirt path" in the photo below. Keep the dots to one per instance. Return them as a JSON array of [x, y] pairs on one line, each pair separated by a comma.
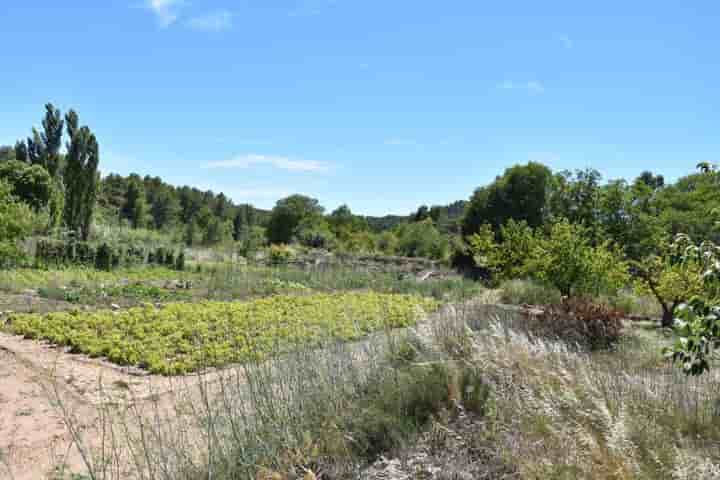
[[33, 436]]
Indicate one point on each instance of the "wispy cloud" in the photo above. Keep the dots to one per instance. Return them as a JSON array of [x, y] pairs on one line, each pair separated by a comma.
[[396, 141], [531, 86], [166, 11], [566, 41], [218, 21], [283, 163]]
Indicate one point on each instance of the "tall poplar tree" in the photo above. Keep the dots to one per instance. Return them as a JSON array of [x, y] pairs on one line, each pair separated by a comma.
[[81, 176]]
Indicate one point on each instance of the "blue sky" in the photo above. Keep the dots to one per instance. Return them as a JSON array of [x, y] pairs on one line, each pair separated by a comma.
[[383, 105]]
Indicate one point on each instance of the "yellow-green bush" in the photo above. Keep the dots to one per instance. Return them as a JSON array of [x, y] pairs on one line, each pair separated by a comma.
[[183, 337]]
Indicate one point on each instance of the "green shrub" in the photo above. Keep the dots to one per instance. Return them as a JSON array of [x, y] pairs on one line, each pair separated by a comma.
[[280, 254], [474, 391], [104, 257], [393, 409], [180, 262], [528, 292]]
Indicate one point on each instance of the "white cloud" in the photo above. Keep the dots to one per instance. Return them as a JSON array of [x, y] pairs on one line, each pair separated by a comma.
[[283, 163], [566, 41], [531, 86], [212, 22], [165, 10]]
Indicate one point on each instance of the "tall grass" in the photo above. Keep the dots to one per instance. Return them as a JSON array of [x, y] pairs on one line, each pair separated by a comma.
[[551, 410]]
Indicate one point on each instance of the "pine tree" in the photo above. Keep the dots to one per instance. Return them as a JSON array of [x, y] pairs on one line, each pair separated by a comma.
[[135, 208]]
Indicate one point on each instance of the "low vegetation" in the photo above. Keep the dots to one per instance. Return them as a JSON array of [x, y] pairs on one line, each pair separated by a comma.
[[184, 337]]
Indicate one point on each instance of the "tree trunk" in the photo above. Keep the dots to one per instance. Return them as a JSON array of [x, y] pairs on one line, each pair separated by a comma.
[[667, 318]]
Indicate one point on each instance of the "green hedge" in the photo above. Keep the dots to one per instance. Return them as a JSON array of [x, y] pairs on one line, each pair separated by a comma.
[[103, 256]]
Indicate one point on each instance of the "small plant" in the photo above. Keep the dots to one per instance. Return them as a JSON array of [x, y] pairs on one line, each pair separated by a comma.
[[474, 391]]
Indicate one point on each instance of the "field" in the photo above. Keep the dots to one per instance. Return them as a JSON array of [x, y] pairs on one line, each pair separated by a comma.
[[269, 372], [183, 337]]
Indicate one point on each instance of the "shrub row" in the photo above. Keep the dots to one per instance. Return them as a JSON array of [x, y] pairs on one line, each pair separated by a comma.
[[104, 256]]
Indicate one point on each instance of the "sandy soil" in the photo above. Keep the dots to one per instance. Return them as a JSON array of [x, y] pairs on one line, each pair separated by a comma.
[[34, 439]]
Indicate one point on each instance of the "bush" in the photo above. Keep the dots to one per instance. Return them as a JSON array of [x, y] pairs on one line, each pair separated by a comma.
[[180, 262], [422, 239], [567, 260], [578, 321], [528, 292], [104, 257], [280, 254], [393, 409]]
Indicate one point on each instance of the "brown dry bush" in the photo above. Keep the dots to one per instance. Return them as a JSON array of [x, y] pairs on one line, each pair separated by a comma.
[[578, 321]]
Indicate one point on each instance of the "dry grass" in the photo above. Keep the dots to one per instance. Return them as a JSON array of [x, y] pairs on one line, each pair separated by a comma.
[[547, 410]]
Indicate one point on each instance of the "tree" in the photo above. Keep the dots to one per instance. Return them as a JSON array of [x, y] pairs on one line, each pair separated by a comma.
[[21, 151], [566, 259], [251, 240], [51, 139], [16, 221], [422, 239], [135, 208], [165, 210], [344, 223], [671, 276], [81, 176], [422, 213], [7, 153], [314, 231], [576, 197], [244, 219], [30, 183], [35, 148], [287, 215], [521, 194], [508, 259]]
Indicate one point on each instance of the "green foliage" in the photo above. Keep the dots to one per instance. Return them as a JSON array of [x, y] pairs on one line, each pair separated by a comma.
[[422, 239], [103, 255], [279, 254], [80, 177], [16, 221], [251, 240], [698, 322], [315, 232], [391, 410], [528, 292], [183, 337], [104, 258], [671, 276], [387, 243], [287, 216], [31, 184], [520, 194], [567, 260], [135, 208], [509, 258]]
